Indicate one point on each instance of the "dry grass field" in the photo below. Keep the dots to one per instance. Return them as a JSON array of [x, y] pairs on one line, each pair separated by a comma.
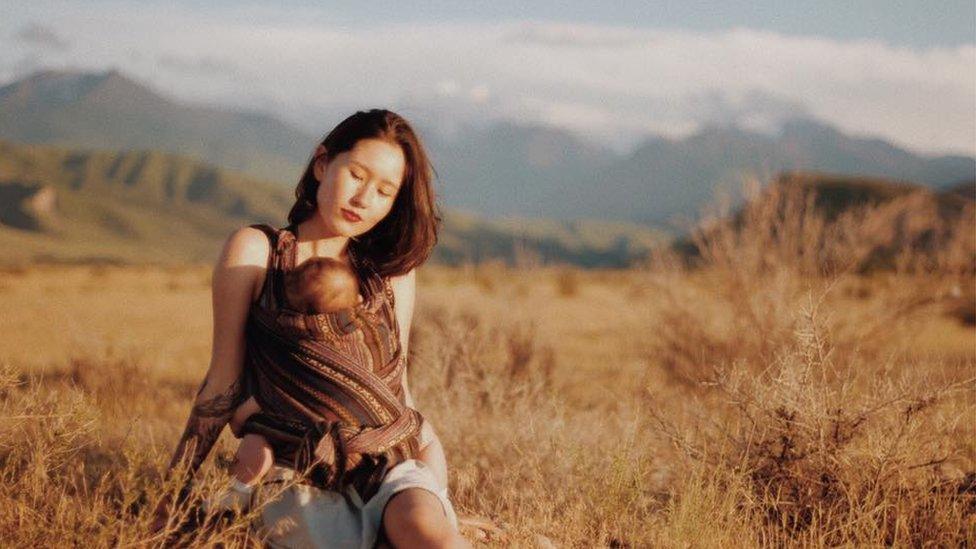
[[754, 399]]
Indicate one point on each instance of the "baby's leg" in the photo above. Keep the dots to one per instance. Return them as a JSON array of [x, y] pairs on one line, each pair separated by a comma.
[[244, 411], [254, 459]]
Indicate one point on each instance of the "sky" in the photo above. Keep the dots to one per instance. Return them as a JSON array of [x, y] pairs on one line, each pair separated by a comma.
[[612, 72]]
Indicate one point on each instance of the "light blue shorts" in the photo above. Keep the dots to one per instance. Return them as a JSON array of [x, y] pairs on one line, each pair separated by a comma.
[[306, 516]]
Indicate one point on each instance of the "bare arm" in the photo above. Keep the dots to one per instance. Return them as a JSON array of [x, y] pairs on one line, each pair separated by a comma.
[[432, 453], [237, 276]]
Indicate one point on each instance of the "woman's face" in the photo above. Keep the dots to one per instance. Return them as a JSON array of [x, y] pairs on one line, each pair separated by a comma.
[[363, 181]]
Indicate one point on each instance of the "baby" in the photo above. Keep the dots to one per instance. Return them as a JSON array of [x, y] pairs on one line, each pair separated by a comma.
[[320, 285]]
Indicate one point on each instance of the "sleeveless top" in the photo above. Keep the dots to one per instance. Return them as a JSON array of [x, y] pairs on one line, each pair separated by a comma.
[[329, 384]]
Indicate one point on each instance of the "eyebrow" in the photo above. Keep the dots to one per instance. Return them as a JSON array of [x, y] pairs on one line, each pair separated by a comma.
[[365, 167]]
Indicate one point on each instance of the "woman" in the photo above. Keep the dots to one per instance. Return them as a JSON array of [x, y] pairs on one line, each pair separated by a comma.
[[365, 199]]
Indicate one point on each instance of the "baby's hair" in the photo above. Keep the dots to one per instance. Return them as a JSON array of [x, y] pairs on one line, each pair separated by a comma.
[[321, 285]]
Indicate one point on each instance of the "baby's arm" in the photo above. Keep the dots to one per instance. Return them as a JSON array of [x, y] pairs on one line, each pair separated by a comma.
[[254, 459]]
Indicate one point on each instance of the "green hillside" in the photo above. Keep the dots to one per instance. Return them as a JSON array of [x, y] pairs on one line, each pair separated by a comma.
[[143, 206], [586, 243], [129, 206], [835, 194]]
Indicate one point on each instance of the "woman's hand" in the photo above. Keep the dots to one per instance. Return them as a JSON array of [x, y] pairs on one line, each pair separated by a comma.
[[211, 411], [433, 456], [160, 515]]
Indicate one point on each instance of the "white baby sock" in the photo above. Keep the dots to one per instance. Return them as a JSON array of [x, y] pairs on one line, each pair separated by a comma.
[[236, 496]]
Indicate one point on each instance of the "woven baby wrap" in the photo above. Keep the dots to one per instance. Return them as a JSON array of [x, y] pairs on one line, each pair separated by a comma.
[[329, 384]]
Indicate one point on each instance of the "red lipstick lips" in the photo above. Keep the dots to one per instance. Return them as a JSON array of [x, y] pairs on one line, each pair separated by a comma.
[[350, 216]]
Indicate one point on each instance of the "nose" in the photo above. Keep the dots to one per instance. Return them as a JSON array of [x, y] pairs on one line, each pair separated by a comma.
[[363, 197]]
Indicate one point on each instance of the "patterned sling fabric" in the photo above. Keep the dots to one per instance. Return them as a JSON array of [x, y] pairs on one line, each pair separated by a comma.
[[329, 384]]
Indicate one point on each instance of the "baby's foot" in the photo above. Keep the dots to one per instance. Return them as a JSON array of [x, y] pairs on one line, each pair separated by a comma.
[[235, 498]]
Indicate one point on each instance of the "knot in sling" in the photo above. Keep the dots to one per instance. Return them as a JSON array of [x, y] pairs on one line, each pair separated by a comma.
[[329, 384]]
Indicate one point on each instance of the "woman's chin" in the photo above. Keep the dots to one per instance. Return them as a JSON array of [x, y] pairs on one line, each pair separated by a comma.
[[335, 227], [350, 229]]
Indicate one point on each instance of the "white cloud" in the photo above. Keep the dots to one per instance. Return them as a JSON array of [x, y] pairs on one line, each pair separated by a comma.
[[576, 35], [611, 83]]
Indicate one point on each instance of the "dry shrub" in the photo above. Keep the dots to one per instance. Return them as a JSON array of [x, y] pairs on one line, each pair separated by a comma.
[[838, 454], [787, 223], [496, 362], [737, 300], [518, 454], [813, 416]]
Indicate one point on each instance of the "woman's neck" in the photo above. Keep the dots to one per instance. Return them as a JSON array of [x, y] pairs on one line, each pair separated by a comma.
[[315, 241]]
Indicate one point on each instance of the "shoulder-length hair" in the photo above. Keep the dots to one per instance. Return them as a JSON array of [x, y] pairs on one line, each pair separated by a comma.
[[405, 238]]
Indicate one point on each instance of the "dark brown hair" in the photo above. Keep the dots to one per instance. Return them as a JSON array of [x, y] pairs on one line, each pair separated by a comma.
[[405, 238]]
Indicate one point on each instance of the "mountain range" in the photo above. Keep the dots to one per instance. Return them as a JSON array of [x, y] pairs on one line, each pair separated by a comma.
[[112, 111], [665, 178], [504, 169]]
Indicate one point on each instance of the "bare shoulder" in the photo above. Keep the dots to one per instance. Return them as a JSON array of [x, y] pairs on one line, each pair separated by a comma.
[[243, 260], [408, 280], [404, 293], [246, 246], [404, 289]]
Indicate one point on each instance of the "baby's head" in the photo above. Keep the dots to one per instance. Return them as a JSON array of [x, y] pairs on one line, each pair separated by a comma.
[[321, 285]]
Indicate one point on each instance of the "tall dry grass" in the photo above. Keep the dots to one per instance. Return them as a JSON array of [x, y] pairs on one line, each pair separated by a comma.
[[781, 390], [77, 471]]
